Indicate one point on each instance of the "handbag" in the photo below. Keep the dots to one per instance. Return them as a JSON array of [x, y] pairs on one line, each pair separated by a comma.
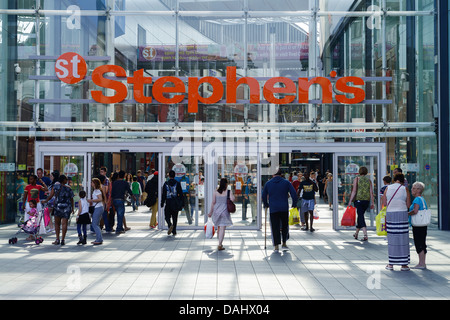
[[421, 218], [231, 207]]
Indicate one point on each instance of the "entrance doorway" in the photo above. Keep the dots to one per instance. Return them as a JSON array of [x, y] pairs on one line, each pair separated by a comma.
[[319, 165], [200, 170]]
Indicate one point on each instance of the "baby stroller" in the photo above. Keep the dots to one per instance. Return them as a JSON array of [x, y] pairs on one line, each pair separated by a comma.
[[34, 226]]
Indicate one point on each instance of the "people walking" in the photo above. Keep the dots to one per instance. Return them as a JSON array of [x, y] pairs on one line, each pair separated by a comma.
[[83, 218], [111, 211], [362, 195], [118, 190], [275, 197], [172, 201], [307, 190], [31, 192], [106, 189], [98, 201], [42, 180], [386, 181], [152, 189], [141, 179], [328, 188], [137, 192], [54, 176], [397, 200], [63, 207], [219, 210], [419, 233]]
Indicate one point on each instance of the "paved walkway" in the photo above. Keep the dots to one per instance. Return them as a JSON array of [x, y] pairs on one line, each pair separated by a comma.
[[149, 264]]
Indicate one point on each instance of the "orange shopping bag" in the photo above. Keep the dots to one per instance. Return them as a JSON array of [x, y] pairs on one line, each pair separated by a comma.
[[349, 217]]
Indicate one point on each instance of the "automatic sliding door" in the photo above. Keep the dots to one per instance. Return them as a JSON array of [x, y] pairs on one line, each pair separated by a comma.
[[348, 167], [189, 171], [72, 166], [241, 173]]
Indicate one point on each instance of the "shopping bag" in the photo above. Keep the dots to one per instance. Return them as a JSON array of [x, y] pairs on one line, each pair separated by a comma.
[[47, 217], [316, 214], [41, 223], [294, 216], [380, 221], [349, 217], [209, 229]]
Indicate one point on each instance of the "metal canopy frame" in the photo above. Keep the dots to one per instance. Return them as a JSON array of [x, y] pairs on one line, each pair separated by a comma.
[[311, 129]]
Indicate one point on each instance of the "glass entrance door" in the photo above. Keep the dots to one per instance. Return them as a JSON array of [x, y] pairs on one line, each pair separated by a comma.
[[348, 167], [241, 173], [73, 166], [189, 171]]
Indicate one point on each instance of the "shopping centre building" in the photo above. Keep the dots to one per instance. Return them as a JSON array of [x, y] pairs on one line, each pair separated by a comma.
[[229, 88]]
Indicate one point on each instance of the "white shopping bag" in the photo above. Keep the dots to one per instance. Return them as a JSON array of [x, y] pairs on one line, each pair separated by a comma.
[[209, 229], [41, 223], [316, 214]]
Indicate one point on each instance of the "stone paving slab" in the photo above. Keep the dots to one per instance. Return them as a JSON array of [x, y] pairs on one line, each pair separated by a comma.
[[146, 264]]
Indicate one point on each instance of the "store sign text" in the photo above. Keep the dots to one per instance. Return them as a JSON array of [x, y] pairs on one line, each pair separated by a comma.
[[71, 68]]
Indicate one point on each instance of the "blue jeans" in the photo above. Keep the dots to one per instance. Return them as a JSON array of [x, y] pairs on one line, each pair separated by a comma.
[[119, 205], [96, 223], [81, 227], [108, 228]]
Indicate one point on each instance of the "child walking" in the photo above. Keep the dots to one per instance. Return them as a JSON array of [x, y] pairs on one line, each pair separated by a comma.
[[137, 192], [83, 218]]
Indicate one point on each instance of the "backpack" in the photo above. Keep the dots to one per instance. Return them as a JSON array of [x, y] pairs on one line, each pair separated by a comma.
[[173, 201]]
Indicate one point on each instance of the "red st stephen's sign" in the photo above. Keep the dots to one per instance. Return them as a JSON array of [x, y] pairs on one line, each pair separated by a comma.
[[71, 68]]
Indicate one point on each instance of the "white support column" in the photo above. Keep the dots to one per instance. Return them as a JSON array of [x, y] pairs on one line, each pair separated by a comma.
[[110, 52]]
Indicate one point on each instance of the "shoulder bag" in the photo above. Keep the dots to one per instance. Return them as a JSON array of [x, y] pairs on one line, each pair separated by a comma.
[[231, 207], [421, 218], [91, 208]]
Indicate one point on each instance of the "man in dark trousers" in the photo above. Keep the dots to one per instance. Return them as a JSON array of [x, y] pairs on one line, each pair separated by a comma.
[[275, 196], [172, 198]]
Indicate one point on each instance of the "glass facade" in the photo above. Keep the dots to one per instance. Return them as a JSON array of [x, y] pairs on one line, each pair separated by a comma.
[[391, 45]]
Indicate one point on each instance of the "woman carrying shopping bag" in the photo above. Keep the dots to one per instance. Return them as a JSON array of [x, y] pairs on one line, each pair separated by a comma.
[[219, 211], [362, 195], [419, 231]]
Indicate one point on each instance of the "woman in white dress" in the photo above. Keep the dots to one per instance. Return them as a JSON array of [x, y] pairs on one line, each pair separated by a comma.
[[219, 212]]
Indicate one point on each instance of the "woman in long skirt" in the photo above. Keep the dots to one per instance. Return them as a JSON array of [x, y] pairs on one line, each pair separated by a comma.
[[398, 200], [219, 212]]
